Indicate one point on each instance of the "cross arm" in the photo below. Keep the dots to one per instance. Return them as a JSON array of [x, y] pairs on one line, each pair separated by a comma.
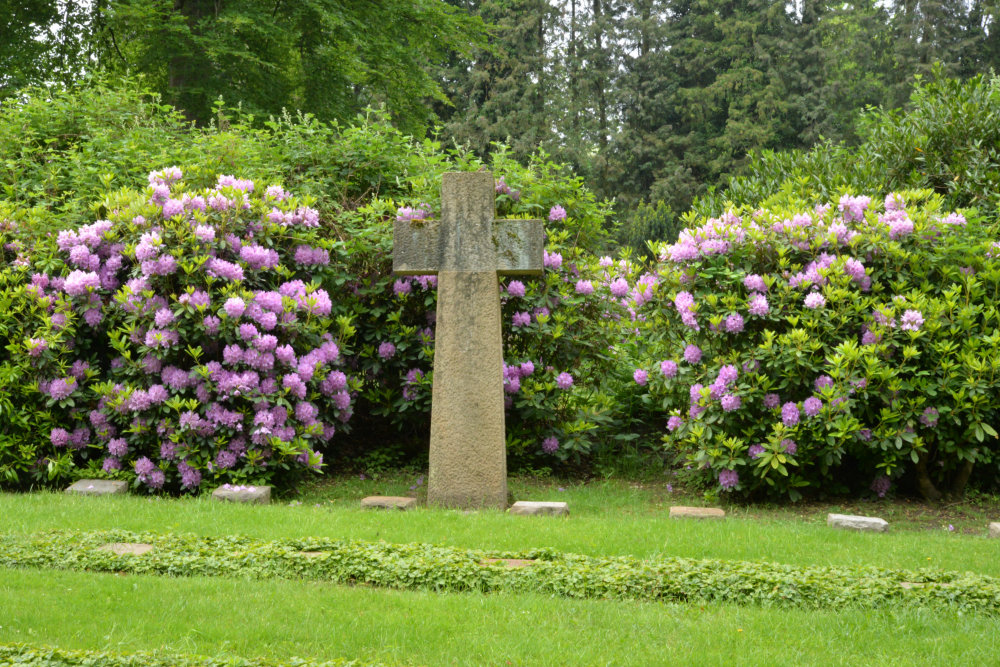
[[416, 247], [519, 245]]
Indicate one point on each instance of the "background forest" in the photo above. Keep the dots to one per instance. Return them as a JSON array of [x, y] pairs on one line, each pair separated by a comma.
[[652, 102]]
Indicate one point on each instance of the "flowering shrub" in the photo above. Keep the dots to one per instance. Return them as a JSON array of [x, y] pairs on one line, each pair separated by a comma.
[[830, 348], [558, 408], [202, 338]]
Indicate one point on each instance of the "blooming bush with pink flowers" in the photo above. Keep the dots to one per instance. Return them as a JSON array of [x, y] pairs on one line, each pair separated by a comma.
[[203, 346], [833, 348]]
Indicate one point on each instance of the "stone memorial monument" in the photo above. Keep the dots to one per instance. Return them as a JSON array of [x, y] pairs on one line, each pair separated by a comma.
[[468, 249]]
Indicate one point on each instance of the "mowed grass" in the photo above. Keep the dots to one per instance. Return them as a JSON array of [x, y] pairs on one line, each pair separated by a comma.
[[281, 619], [595, 527]]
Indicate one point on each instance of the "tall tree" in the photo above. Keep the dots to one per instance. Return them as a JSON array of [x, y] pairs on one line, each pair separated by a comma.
[[329, 57], [503, 91], [42, 42]]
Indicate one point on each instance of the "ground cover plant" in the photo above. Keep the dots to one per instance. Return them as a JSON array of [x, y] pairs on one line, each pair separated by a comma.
[[423, 566]]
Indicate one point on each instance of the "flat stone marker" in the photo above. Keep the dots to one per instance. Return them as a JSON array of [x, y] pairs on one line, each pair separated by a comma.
[[852, 522], [535, 507], [98, 487], [468, 249], [388, 503], [682, 512], [995, 529], [260, 495], [127, 548]]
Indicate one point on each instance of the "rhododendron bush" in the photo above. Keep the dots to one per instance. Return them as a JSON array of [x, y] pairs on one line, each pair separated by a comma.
[[187, 337], [836, 348]]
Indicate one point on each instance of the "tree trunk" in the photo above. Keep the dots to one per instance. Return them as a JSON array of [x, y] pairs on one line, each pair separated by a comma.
[[924, 483], [961, 480]]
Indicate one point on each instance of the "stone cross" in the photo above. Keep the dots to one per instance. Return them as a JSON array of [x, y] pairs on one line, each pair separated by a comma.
[[468, 249]]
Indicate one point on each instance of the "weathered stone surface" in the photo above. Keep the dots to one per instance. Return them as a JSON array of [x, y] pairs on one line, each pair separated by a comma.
[[127, 548], [467, 249], [388, 503], [243, 494], [468, 452], [98, 487], [995, 529], [853, 522], [517, 244], [531, 507], [682, 512]]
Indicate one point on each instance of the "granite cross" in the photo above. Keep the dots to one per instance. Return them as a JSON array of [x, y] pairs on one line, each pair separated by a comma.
[[468, 248]]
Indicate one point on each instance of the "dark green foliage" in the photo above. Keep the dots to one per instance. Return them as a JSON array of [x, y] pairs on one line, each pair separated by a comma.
[[648, 222], [947, 139], [27, 655], [330, 57], [452, 569]]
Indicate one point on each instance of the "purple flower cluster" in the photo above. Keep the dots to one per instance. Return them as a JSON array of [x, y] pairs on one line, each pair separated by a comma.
[[728, 479], [911, 320], [692, 354], [564, 380], [684, 302], [758, 306], [790, 414], [929, 418], [853, 208], [898, 222]]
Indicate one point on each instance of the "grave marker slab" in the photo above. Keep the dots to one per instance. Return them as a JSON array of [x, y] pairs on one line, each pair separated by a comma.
[[995, 529], [853, 522], [682, 512], [127, 548], [260, 495], [98, 487], [468, 248], [534, 507], [388, 503]]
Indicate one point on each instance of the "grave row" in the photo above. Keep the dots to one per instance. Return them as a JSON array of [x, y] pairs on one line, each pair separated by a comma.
[[262, 495]]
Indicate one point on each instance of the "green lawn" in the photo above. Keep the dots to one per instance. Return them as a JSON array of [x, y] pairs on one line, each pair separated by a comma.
[[280, 619], [595, 530]]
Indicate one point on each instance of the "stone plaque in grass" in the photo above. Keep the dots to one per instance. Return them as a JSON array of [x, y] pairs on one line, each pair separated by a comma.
[[98, 487], [127, 548], [853, 522], [536, 507], [995, 529], [388, 503], [243, 494], [682, 512]]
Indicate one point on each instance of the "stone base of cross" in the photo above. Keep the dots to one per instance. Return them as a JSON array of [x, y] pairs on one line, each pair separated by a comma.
[[468, 249]]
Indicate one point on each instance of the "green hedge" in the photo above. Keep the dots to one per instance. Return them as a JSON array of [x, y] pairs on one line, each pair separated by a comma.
[[423, 566], [26, 655]]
